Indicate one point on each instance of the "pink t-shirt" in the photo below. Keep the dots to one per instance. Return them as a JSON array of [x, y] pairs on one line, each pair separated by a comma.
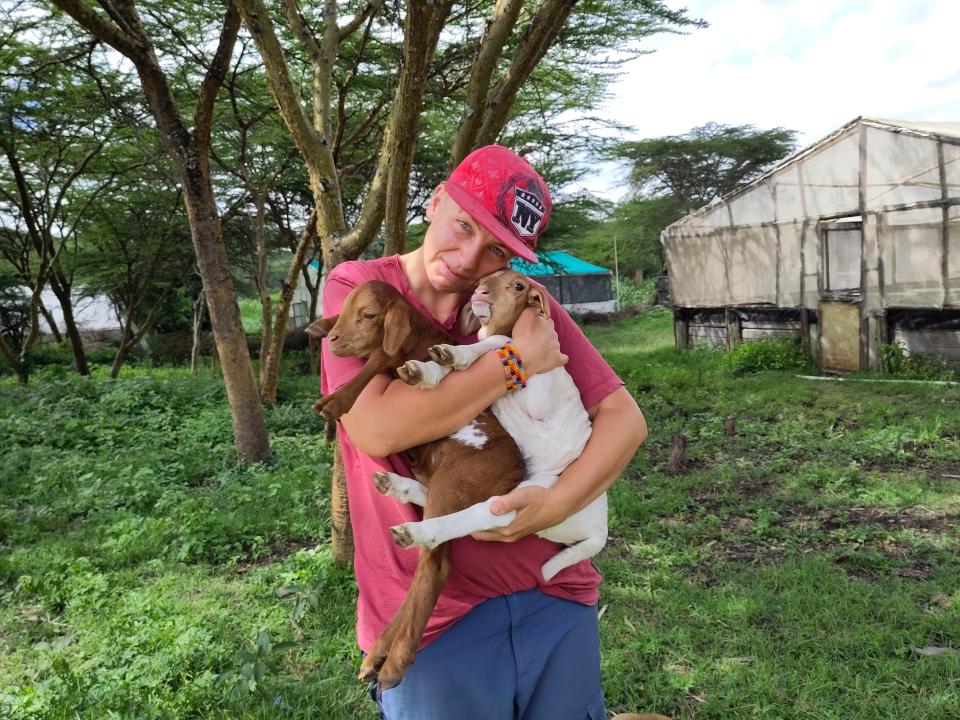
[[479, 570]]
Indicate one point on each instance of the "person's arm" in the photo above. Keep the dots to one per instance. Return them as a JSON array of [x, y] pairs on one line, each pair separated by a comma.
[[618, 430], [390, 416]]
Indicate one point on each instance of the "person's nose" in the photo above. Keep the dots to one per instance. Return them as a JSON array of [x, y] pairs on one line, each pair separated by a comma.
[[470, 254]]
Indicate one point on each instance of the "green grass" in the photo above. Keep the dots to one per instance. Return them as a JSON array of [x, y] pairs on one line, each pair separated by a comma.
[[791, 570], [251, 311]]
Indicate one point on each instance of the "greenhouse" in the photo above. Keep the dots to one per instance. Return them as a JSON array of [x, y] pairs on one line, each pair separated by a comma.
[[849, 244]]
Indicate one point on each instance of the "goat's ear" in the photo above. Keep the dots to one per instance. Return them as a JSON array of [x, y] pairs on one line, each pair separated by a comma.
[[320, 327], [538, 298], [468, 323], [396, 328]]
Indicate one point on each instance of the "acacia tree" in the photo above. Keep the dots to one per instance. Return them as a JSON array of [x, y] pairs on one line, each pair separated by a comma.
[[485, 69], [135, 249], [54, 169], [253, 148], [705, 163], [118, 24]]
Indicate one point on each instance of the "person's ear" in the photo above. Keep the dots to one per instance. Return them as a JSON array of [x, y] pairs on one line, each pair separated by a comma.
[[396, 328], [434, 202]]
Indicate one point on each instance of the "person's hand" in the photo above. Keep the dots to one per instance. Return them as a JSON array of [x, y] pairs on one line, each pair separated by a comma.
[[537, 343], [537, 508]]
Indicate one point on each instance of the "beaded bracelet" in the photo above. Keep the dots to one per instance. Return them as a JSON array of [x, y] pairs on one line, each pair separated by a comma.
[[512, 366]]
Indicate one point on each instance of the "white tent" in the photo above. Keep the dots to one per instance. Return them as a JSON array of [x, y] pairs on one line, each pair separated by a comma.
[[849, 243]]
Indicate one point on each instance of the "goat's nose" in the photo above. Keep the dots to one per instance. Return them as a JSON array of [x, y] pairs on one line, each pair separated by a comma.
[[331, 336]]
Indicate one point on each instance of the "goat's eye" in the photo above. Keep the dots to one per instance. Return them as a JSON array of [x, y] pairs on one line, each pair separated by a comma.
[[518, 287], [369, 316]]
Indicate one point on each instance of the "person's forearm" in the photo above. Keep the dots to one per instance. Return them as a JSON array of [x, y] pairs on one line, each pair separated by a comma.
[[617, 433], [391, 416]]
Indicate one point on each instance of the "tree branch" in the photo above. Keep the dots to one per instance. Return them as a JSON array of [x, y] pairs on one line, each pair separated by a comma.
[[497, 32], [303, 31], [102, 30], [203, 117], [537, 38], [368, 12]]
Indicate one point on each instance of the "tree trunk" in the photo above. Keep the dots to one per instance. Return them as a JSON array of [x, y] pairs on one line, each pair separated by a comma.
[[62, 291], [270, 355], [249, 426], [20, 368], [675, 461], [341, 532], [198, 307], [48, 316], [266, 311], [125, 342], [422, 28]]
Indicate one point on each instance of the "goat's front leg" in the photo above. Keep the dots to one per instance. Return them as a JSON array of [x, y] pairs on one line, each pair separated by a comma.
[[402, 488], [422, 374], [460, 357], [338, 403]]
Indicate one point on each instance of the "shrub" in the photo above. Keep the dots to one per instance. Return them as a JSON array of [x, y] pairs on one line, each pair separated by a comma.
[[916, 366], [768, 354], [633, 293]]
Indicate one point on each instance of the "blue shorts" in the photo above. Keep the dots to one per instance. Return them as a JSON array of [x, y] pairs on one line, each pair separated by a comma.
[[525, 656]]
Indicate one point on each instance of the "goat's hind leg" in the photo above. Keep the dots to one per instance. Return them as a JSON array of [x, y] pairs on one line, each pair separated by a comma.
[[431, 532], [572, 554]]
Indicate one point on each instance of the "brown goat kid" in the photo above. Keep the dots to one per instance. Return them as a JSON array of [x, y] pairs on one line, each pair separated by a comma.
[[377, 323]]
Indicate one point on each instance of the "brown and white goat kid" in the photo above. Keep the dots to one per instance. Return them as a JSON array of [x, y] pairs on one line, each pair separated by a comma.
[[377, 323], [547, 419]]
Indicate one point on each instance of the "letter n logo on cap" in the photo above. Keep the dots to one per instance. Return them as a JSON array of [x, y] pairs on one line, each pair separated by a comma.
[[528, 212]]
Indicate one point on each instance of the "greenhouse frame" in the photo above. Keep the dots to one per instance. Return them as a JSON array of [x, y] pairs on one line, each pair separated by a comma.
[[849, 244]]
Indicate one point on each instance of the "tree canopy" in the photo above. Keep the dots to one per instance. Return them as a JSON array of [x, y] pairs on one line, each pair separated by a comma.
[[705, 163]]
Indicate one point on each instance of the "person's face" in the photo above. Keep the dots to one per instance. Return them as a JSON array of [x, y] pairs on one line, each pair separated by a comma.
[[457, 250]]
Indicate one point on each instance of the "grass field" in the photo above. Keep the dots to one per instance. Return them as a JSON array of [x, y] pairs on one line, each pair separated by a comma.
[[804, 567]]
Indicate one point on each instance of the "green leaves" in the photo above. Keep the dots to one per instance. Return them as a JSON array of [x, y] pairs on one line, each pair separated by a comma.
[[251, 667]]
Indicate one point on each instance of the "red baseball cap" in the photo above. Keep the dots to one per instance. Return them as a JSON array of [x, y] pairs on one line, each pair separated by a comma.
[[502, 192]]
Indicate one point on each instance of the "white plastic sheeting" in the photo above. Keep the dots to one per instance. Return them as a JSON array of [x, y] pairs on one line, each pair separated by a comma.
[[772, 242]]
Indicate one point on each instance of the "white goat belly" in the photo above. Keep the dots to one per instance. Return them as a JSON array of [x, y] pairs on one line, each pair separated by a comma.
[[547, 420]]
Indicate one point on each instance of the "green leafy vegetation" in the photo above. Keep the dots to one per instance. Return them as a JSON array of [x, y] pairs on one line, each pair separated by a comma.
[[917, 366], [767, 354], [805, 565]]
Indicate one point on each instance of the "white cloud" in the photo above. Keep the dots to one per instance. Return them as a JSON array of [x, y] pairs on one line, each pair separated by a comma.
[[805, 65]]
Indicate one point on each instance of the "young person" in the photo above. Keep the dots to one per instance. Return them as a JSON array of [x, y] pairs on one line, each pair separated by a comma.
[[501, 643]]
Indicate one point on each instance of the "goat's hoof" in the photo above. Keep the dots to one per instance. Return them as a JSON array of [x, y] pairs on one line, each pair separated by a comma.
[[329, 408], [442, 355], [386, 683], [393, 670], [401, 535], [382, 482], [410, 372], [368, 669]]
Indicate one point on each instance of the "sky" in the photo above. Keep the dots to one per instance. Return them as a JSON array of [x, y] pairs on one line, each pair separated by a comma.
[[809, 66]]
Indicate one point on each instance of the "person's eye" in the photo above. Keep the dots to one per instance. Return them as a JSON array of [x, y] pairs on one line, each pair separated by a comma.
[[498, 251], [464, 225]]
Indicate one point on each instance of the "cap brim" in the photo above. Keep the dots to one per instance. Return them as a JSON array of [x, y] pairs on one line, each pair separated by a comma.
[[489, 221]]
